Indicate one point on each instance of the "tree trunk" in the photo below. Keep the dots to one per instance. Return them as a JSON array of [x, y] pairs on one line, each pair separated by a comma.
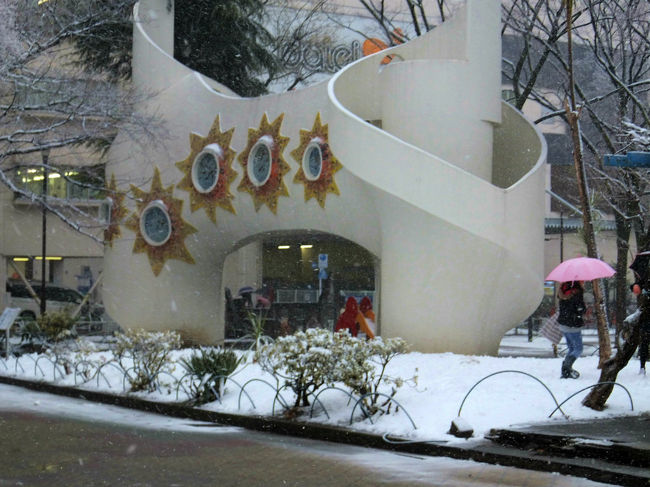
[[573, 119], [604, 344], [598, 396]]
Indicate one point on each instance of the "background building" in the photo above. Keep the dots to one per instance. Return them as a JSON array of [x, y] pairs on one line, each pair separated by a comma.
[[72, 178]]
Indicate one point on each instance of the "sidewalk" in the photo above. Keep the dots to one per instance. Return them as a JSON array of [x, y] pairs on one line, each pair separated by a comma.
[[615, 451], [515, 344]]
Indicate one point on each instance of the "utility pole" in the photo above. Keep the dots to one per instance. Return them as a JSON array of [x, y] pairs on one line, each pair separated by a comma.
[[45, 154]]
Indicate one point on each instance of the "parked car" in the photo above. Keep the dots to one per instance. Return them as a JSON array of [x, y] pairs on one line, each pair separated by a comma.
[[57, 299]]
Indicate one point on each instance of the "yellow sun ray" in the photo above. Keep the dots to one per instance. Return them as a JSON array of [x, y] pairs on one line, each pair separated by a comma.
[[270, 191], [219, 195], [325, 183], [174, 246], [118, 212]]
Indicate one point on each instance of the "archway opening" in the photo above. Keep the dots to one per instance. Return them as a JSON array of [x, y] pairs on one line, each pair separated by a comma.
[[294, 281]]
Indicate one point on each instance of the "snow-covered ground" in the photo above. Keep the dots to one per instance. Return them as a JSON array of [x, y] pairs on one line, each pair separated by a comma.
[[520, 391]]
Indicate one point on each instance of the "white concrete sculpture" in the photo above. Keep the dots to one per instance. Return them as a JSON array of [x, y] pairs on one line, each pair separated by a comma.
[[449, 190]]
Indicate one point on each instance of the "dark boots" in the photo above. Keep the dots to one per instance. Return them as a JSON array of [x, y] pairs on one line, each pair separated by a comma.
[[567, 368]]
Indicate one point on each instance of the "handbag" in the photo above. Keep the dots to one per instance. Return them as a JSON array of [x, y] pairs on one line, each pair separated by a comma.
[[551, 330]]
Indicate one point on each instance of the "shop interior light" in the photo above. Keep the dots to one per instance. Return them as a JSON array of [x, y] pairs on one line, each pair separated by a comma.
[[284, 247], [306, 246], [21, 259], [48, 257]]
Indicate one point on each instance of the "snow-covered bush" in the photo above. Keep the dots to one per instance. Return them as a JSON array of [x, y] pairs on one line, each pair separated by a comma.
[[353, 365], [55, 329], [363, 369], [304, 360], [144, 355], [309, 360], [56, 325], [32, 338], [209, 367], [85, 365]]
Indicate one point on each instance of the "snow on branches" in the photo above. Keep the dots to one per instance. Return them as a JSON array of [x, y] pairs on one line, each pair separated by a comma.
[[51, 102], [637, 137], [310, 360]]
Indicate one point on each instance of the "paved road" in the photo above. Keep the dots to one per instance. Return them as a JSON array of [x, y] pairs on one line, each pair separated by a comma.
[[38, 449]]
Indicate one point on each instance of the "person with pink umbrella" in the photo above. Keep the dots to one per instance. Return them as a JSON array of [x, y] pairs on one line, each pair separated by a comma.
[[572, 273], [641, 288]]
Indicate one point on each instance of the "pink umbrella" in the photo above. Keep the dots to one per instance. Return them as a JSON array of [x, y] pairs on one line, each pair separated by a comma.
[[580, 269]]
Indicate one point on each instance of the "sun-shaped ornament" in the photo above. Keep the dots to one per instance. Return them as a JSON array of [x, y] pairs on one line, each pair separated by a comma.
[[159, 226], [117, 212], [208, 171], [317, 163], [264, 164]]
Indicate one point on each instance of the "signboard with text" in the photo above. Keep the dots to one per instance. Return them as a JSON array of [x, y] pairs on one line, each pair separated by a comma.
[[631, 159]]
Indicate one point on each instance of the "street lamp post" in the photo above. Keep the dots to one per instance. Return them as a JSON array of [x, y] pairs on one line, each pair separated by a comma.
[[45, 154]]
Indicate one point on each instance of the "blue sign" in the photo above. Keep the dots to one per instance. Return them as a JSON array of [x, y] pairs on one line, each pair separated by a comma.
[[631, 159], [616, 160], [322, 274], [322, 261], [639, 159]]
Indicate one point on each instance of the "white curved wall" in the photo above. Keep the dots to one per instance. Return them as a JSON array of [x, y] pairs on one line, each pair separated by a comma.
[[453, 246]]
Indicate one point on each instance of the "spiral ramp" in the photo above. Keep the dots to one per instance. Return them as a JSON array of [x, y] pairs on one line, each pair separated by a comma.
[[439, 180]]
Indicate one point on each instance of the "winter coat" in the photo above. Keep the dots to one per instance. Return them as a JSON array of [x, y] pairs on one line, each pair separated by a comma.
[[365, 327], [641, 269], [572, 306], [365, 306], [348, 319], [353, 320]]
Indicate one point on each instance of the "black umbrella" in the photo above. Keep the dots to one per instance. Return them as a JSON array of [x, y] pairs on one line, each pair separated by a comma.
[[245, 290], [640, 267]]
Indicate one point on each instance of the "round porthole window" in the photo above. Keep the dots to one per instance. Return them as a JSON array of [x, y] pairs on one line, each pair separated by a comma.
[[205, 168], [312, 160], [155, 224], [259, 161]]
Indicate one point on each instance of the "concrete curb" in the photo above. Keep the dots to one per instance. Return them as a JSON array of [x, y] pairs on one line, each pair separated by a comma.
[[631, 455], [477, 450]]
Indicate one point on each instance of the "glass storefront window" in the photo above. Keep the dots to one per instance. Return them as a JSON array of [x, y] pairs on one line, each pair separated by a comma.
[[70, 184]]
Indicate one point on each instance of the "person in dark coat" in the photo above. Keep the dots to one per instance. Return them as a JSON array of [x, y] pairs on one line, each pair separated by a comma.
[[644, 328], [641, 288], [572, 307]]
